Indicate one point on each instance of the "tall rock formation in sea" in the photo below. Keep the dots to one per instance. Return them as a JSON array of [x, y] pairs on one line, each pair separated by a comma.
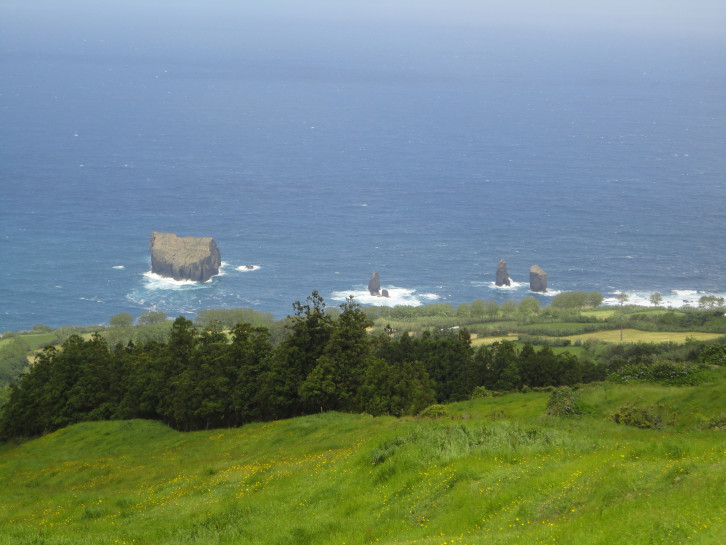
[[502, 278], [537, 279], [184, 258], [374, 285]]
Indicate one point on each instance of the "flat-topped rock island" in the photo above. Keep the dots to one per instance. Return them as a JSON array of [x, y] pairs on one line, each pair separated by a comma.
[[184, 258]]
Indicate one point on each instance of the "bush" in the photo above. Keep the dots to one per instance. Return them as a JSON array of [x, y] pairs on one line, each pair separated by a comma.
[[576, 299], [644, 418], [480, 392], [434, 411], [664, 372], [121, 319], [718, 422], [149, 318], [714, 354], [564, 401]]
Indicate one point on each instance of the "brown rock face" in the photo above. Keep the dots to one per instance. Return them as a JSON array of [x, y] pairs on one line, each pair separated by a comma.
[[374, 284], [537, 279], [502, 278], [184, 258]]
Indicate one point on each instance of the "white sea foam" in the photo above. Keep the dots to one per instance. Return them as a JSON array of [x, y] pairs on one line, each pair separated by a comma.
[[548, 293], [671, 299], [513, 285], [119, 267], [222, 272], [155, 281], [396, 296], [247, 268]]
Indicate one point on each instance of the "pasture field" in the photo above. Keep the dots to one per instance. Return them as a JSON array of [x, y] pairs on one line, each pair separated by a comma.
[[637, 336], [491, 471]]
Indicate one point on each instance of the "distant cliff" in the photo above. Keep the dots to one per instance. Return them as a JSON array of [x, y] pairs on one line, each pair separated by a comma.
[[184, 258]]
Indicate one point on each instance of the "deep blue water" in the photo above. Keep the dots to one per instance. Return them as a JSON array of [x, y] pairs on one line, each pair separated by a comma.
[[322, 152]]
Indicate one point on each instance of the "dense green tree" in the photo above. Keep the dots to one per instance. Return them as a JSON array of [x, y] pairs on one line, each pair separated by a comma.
[[172, 375], [447, 360], [334, 382], [122, 319], [214, 376], [13, 359], [230, 317], [149, 318], [308, 334], [529, 306], [508, 307], [569, 370], [249, 353], [93, 395], [595, 299], [477, 308], [491, 308], [395, 389], [710, 302], [530, 370], [502, 356], [569, 299]]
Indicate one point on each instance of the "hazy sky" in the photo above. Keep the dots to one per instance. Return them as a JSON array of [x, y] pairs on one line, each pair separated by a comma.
[[697, 18]]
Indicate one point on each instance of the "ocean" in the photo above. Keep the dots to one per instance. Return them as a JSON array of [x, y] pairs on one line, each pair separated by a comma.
[[320, 149]]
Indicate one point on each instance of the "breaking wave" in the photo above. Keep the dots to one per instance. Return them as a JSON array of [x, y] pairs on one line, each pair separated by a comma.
[[513, 285], [397, 296], [153, 281], [671, 299]]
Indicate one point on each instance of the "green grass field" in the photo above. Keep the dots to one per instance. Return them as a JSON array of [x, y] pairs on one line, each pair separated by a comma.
[[34, 340], [636, 336], [495, 471]]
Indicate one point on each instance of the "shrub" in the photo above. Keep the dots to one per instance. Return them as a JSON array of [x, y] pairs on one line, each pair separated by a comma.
[[122, 319], [714, 354], [564, 401], [434, 411], [664, 372], [480, 392], [644, 418], [718, 422]]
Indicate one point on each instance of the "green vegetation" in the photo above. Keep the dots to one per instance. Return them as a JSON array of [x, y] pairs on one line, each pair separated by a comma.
[[491, 470], [412, 432], [213, 374]]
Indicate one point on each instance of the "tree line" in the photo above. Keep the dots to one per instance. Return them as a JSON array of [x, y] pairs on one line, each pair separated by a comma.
[[214, 377]]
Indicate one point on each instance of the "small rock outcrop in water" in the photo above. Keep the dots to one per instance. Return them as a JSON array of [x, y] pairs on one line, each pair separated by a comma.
[[374, 285], [537, 279], [502, 278], [384, 293], [184, 258]]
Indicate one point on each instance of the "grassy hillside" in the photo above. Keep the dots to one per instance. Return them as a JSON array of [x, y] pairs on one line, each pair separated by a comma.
[[491, 471]]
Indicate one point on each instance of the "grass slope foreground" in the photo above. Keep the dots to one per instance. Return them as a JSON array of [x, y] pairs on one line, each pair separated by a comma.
[[640, 464]]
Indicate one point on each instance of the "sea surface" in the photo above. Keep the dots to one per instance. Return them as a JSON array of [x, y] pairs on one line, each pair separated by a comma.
[[319, 150]]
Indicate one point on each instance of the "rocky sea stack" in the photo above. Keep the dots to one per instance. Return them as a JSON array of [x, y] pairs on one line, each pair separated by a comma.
[[374, 285], [502, 278], [184, 258], [537, 279]]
